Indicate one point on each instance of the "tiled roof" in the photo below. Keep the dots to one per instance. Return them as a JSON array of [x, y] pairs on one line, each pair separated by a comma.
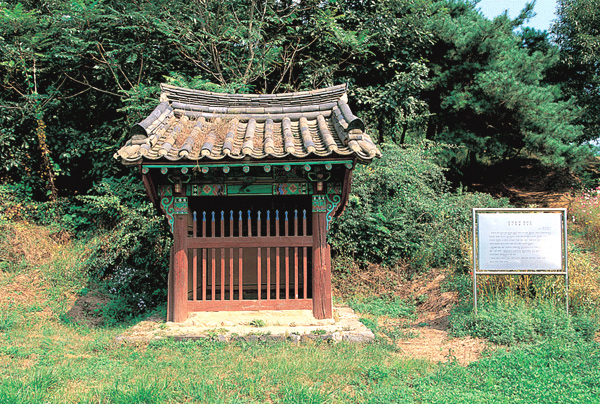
[[193, 125]]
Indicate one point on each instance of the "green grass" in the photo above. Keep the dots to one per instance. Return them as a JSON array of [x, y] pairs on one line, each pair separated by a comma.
[[389, 306], [46, 358], [510, 321], [58, 363]]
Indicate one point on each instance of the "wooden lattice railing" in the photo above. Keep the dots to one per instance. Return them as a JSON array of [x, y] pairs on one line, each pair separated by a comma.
[[249, 260]]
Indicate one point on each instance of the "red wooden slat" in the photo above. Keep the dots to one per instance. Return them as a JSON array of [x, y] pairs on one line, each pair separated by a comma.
[[240, 279], [204, 257], [249, 225], [250, 242], [305, 256], [194, 260], [258, 260], [231, 257], [277, 258], [295, 256], [204, 274], [213, 225], [195, 226], [195, 274], [300, 304], [287, 260], [268, 258], [213, 263], [222, 258], [240, 264], [214, 275]]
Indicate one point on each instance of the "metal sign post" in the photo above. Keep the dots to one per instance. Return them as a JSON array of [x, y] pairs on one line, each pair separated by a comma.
[[515, 241]]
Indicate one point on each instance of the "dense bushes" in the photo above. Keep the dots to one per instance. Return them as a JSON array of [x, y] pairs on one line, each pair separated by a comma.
[[401, 207], [131, 245]]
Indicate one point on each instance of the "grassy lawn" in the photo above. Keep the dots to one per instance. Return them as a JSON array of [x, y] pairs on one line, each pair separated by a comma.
[[46, 358], [48, 361]]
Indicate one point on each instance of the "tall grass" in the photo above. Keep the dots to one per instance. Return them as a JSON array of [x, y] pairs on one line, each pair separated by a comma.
[[584, 213], [508, 321]]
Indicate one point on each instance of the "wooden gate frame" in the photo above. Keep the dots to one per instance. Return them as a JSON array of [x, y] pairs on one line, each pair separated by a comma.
[[324, 207]]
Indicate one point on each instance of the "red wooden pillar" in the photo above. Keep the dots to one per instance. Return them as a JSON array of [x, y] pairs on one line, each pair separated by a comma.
[[170, 289], [179, 267], [321, 279]]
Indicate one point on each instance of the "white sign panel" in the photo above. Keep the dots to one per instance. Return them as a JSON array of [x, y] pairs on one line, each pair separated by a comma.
[[520, 241]]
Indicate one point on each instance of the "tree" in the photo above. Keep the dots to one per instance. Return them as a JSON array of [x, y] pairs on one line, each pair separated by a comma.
[[577, 33], [389, 79], [76, 74], [487, 92]]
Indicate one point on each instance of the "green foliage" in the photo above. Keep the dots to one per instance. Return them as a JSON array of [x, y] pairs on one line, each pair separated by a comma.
[[576, 33], [438, 64], [370, 323], [509, 322], [390, 306], [556, 371], [294, 392], [257, 322], [7, 321], [131, 245], [487, 93], [402, 208]]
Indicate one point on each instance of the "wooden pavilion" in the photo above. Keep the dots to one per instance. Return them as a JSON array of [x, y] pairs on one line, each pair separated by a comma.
[[249, 184]]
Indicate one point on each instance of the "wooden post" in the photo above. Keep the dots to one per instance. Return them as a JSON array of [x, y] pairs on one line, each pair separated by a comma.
[[180, 260], [170, 287], [321, 279]]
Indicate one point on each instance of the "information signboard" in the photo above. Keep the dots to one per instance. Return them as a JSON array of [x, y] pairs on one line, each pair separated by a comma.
[[519, 241]]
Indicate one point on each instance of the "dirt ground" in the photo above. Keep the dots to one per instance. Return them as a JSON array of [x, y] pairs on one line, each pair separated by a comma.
[[425, 337], [430, 330]]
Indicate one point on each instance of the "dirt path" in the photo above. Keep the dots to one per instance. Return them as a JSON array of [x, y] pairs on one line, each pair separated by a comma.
[[435, 345]]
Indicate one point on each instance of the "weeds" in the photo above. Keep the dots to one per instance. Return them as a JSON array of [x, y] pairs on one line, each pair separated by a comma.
[[389, 306], [509, 321], [585, 216], [257, 322], [7, 320]]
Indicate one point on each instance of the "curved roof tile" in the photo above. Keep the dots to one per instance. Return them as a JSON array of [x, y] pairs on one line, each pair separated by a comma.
[[193, 125]]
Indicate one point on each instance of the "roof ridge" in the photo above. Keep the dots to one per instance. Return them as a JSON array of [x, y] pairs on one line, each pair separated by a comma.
[[181, 95]]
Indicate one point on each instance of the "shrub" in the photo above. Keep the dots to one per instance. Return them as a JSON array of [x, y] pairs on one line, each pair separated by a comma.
[[401, 207], [584, 280], [131, 245]]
